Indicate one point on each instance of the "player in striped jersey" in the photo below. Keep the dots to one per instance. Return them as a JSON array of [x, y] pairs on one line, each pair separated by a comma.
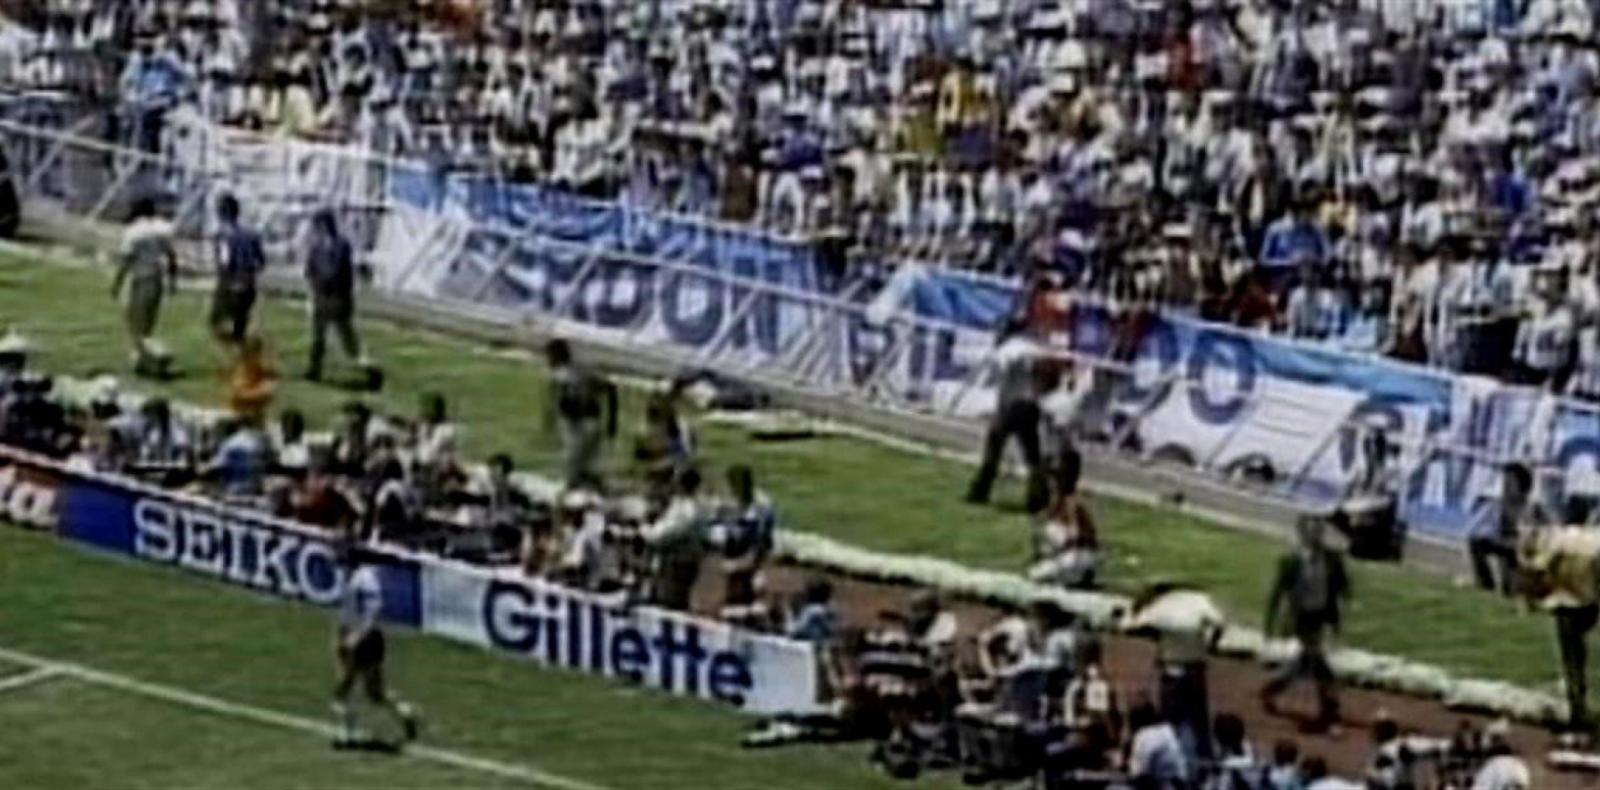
[[360, 649]]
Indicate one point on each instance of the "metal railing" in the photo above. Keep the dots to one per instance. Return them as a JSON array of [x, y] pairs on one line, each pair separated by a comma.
[[832, 345]]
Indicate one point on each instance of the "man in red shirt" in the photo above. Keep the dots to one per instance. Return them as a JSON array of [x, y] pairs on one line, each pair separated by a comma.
[[320, 502]]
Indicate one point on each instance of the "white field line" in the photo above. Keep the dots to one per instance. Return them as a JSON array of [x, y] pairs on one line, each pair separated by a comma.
[[44, 667], [25, 679]]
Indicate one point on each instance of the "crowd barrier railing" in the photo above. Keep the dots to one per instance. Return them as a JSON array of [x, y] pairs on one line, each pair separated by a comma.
[[1212, 399]]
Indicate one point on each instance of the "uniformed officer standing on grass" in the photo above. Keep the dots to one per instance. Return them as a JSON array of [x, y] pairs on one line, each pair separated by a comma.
[[1016, 416], [331, 275], [148, 266], [240, 258], [1311, 588]]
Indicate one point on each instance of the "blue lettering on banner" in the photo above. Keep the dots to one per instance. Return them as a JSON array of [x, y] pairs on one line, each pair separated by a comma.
[[691, 306], [626, 294], [230, 545], [567, 630], [1216, 350], [952, 311]]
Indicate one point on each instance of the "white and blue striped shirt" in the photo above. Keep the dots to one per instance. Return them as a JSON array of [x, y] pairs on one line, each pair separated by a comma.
[[362, 600]]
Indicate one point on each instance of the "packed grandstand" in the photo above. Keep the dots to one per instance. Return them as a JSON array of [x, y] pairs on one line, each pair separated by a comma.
[[1338, 254]]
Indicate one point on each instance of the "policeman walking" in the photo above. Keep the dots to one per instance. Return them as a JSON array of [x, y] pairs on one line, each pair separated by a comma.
[[240, 258], [1312, 588], [1016, 416], [330, 273]]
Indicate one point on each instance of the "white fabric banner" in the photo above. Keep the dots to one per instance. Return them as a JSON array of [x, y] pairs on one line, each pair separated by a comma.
[[670, 651]]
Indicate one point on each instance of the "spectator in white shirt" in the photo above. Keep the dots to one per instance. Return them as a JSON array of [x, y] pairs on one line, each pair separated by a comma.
[[1155, 755], [1546, 337], [677, 537], [1504, 770]]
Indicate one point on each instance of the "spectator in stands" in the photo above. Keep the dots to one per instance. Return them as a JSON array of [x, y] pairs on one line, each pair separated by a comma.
[[395, 510], [1284, 773], [434, 449], [242, 461], [815, 619], [1314, 772], [677, 539], [355, 440], [290, 445], [1504, 770], [583, 405], [1155, 757], [582, 551], [164, 446], [241, 257], [320, 501], [1546, 338], [1237, 767], [1091, 712]]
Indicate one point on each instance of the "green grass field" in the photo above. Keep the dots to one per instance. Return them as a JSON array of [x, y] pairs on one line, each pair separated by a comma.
[[862, 493], [161, 626]]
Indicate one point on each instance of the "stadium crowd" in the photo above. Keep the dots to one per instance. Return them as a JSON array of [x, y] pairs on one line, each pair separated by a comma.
[[1409, 178], [1414, 178]]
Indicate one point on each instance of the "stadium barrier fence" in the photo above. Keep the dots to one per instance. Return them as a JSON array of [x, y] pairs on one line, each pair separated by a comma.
[[1292, 420]]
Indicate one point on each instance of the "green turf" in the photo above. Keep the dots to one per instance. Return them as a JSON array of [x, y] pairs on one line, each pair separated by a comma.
[[63, 733], [162, 626], [862, 493]]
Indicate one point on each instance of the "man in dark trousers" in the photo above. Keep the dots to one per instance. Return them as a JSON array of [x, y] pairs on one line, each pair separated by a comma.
[[1311, 588], [240, 258], [583, 405], [331, 274], [1016, 415], [1492, 541]]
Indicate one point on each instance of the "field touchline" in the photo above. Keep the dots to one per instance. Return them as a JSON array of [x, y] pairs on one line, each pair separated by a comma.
[[25, 679], [43, 668]]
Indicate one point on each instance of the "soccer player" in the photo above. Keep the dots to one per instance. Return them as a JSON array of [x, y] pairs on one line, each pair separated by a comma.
[[149, 267], [331, 274], [360, 649], [240, 259]]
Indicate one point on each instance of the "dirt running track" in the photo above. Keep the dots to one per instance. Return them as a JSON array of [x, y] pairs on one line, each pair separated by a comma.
[[1130, 663]]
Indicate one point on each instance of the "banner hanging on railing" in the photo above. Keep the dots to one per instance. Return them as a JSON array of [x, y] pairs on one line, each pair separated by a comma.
[[744, 302]]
